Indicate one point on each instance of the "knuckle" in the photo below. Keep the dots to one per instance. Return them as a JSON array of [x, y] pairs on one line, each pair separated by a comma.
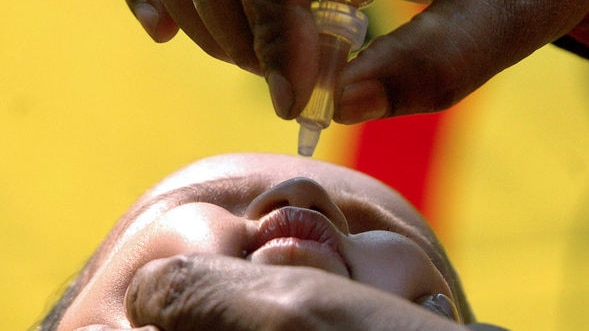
[[156, 292], [269, 37]]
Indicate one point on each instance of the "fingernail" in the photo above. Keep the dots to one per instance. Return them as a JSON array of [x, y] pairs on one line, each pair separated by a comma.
[[361, 102], [281, 94], [148, 16], [441, 305]]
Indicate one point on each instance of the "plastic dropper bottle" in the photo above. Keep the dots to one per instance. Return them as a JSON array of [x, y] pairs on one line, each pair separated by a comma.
[[342, 28]]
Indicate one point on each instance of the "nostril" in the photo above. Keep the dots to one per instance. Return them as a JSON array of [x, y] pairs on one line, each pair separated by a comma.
[[297, 192]]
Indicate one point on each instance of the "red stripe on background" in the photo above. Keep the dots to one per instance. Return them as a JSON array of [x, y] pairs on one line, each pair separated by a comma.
[[399, 152]]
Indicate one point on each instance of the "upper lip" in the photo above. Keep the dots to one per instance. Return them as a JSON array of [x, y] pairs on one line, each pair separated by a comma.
[[301, 223]]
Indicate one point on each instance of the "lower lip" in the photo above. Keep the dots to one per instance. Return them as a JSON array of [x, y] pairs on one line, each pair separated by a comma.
[[299, 252]]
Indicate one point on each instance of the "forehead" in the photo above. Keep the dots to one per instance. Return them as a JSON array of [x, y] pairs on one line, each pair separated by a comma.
[[270, 167]]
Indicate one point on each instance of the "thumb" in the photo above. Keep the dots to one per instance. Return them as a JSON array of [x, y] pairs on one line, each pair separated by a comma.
[[446, 52]]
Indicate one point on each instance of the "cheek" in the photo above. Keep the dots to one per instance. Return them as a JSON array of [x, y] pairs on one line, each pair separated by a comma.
[[201, 228], [393, 263]]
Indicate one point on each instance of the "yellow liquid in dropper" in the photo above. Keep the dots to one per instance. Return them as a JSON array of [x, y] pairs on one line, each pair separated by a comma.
[[342, 28], [318, 112]]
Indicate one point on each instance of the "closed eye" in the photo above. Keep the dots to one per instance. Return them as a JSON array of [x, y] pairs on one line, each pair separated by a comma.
[[231, 193]]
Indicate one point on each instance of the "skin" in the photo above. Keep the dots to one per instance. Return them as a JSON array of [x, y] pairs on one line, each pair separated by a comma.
[[432, 62], [267, 242]]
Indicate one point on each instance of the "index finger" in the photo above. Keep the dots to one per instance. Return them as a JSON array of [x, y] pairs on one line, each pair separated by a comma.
[[286, 44], [154, 18]]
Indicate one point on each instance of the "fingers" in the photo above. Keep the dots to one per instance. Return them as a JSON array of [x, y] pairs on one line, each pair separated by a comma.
[[154, 18], [286, 45], [277, 39], [210, 292], [185, 292], [427, 65], [148, 300], [184, 13], [162, 20], [446, 52], [207, 292], [226, 21]]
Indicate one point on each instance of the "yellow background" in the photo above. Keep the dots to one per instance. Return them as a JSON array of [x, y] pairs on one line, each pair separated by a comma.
[[513, 191], [92, 113]]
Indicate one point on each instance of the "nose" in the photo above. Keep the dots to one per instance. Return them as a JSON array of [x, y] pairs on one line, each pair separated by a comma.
[[298, 192]]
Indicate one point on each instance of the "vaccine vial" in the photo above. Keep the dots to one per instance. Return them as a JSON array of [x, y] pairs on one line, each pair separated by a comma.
[[342, 29]]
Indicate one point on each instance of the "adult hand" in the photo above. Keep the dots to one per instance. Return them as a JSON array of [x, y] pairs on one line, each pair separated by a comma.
[[429, 64], [209, 292]]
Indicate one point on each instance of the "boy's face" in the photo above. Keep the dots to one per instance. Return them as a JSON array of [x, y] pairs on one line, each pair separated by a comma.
[[268, 209]]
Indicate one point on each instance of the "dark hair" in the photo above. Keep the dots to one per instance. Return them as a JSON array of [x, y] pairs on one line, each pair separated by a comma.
[[51, 321]]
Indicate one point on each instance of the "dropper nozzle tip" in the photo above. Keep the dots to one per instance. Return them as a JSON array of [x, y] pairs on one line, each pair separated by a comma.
[[308, 139]]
